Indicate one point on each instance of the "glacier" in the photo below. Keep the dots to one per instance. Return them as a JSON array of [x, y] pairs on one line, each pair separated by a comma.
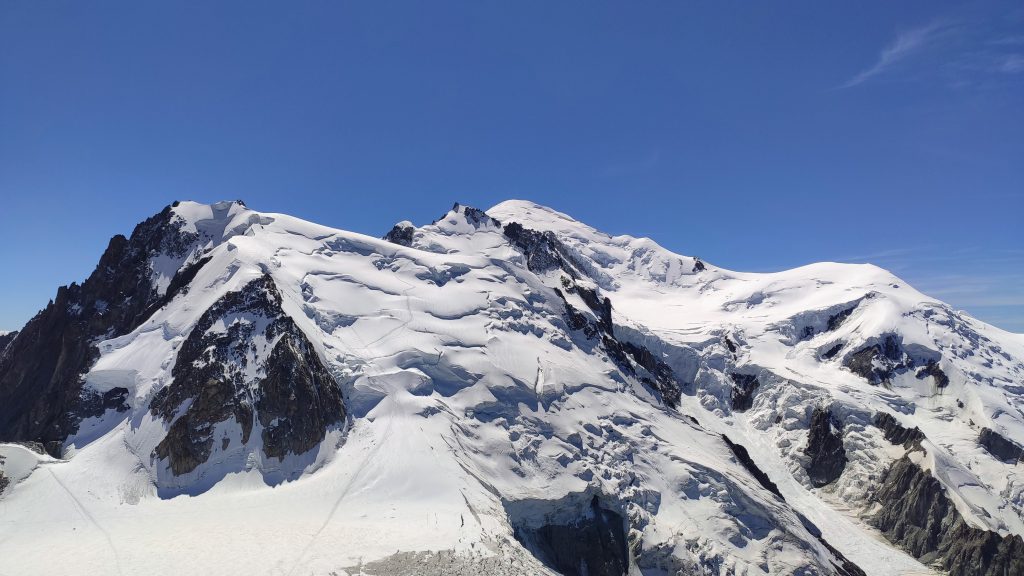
[[501, 391]]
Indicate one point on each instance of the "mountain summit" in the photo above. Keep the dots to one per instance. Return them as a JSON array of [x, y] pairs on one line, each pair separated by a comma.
[[507, 391]]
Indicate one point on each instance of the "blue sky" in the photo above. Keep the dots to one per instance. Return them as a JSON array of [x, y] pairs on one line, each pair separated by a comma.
[[758, 136]]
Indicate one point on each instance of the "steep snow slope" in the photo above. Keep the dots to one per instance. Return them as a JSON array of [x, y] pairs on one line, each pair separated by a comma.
[[479, 395], [781, 323]]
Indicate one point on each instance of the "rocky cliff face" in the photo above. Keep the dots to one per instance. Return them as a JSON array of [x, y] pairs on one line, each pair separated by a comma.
[[825, 448], [41, 393], [544, 253], [999, 446], [246, 360], [743, 391], [880, 362], [401, 234], [877, 363], [591, 543], [896, 433], [917, 514], [5, 341]]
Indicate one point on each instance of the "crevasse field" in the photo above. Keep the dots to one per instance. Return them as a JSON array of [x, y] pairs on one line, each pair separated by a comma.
[[485, 399]]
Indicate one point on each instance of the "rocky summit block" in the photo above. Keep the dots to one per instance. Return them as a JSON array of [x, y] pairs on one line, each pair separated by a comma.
[[247, 360]]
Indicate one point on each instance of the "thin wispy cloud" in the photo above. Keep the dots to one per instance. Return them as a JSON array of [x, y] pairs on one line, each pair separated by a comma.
[[1008, 41], [906, 44], [960, 54], [1012, 64]]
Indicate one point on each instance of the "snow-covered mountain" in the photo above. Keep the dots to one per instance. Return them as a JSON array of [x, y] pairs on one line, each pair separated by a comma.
[[499, 392]]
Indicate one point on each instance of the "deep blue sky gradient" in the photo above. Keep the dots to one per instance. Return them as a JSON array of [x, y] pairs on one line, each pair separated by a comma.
[[758, 136]]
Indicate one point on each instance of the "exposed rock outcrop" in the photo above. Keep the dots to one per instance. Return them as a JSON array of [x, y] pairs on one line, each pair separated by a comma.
[[932, 369], [825, 448], [744, 458], [602, 307], [5, 341], [1000, 446], [4, 480], [246, 358], [743, 391], [476, 216], [299, 398], [878, 362], [591, 542], [832, 351], [41, 387], [401, 234], [662, 378], [917, 515], [896, 433], [836, 320], [633, 359], [543, 251]]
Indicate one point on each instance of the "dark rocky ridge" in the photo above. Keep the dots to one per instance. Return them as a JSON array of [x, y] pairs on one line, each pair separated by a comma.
[[577, 320], [42, 397], [401, 235], [744, 458], [917, 515], [815, 326], [825, 447], [897, 434], [544, 252], [843, 565], [932, 369], [602, 307], [836, 320], [878, 362], [654, 372], [476, 216], [295, 402], [1000, 446], [593, 544], [4, 480], [665, 380], [5, 341], [832, 351], [743, 391], [729, 344], [633, 359]]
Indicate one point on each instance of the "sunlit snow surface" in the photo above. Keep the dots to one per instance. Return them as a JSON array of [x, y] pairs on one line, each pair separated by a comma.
[[465, 388]]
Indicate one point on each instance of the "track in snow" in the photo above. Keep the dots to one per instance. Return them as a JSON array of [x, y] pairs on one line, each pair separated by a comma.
[[88, 516]]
